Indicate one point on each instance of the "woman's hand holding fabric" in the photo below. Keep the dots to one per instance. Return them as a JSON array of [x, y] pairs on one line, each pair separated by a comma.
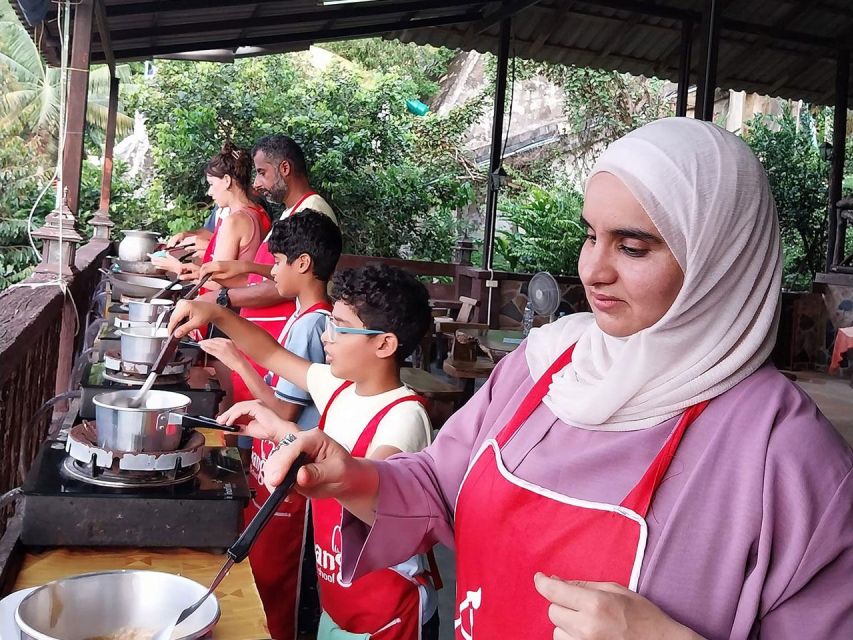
[[605, 611]]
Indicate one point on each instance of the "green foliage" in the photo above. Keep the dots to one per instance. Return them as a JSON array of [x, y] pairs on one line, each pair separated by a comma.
[[798, 180], [31, 95], [424, 65], [383, 169], [547, 233]]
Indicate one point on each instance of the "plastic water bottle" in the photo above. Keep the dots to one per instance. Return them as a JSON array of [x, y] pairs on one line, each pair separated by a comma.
[[527, 319]]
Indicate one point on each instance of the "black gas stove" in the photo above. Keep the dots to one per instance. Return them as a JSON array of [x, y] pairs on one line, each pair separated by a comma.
[[71, 503], [204, 396]]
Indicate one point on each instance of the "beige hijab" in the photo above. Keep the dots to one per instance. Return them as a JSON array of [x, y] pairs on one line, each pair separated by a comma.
[[708, 196]]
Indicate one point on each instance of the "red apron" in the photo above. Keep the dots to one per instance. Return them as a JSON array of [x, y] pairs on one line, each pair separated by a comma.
[[271, 318], [507, 529], [276, 556], [384, 603], [321, 307]]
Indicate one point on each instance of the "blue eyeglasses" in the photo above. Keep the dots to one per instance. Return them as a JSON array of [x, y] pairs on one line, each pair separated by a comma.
[[332, 330]]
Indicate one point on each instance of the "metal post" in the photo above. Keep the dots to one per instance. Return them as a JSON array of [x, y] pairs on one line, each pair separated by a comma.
[[684, 67], [707, 84], [497, 145], [78, 93], [101, 218], [835, 230]]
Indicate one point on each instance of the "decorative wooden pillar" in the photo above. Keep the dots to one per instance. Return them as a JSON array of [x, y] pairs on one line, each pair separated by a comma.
[[100, 220], [78, 94]]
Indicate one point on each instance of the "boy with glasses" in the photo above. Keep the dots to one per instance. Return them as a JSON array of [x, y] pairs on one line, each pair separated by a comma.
[[379, 316]]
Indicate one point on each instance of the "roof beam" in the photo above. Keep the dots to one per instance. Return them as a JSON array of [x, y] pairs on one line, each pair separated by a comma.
[[728, 24], [342, 33], [507, 10], [168, 6], [104, 32], [328, 15]]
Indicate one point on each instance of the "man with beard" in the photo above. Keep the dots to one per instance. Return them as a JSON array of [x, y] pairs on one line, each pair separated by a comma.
[[281, 177]]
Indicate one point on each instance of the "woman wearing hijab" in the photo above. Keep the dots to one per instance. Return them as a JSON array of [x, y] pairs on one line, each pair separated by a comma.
[[641, 471]]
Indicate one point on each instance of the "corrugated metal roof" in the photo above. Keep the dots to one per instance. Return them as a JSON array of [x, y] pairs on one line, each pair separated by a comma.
[[783, 48]]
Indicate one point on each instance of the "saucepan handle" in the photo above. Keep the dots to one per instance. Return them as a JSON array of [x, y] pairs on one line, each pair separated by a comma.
[[202, 422]]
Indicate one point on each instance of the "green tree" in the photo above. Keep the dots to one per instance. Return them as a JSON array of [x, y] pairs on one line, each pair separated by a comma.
[[382, 168], [798, 181], [547, 234], [31, 95]]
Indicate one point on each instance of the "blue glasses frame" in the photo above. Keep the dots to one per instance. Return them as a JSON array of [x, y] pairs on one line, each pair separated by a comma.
[[333, 330]]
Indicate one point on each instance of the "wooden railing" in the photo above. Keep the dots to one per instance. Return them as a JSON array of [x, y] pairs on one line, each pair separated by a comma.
[[37, 346]]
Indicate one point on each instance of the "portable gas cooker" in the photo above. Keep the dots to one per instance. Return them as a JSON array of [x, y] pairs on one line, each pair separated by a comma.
[[79, 494], [112, 373]]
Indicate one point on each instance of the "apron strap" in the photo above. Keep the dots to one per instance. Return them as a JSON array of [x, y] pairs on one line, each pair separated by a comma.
[[322, 307], [641, 495], [534, 397], [322, 424], [366, 437]]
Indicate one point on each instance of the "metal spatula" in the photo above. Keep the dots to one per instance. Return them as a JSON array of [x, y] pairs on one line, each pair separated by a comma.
[[238, 551]]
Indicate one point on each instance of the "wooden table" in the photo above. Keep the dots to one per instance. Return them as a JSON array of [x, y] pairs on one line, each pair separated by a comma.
[[444, 399], [243, 615], [498, 342], [468, 372]]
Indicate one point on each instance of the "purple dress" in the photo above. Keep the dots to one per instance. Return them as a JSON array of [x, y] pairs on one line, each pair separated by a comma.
[[750, 533]]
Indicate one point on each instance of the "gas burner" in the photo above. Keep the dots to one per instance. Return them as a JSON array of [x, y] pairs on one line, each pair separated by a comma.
[[179, 367], [137, 380], [123, 323], [127, 479], [95, 461]]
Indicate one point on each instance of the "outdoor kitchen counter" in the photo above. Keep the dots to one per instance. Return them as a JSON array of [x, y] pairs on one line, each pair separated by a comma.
[[242, 613]]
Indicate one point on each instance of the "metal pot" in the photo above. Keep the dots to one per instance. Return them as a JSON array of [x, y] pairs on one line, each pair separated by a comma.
[[136, 245], [135, 286], [139, 311], [104, 604], [142, 268], [142, 345], [145, 429]]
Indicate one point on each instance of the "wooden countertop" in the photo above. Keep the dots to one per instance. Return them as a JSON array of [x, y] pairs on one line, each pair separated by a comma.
[[242, 612]]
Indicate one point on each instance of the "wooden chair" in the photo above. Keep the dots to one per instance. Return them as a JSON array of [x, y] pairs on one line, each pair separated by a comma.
[[444, 326]]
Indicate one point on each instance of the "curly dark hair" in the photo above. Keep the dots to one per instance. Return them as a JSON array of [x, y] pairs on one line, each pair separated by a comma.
[[279, 147], [388, 299], [309, 232], [232, 161]]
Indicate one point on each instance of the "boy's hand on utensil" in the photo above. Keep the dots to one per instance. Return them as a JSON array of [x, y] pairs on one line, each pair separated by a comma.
[[192, 314], [257, 420]]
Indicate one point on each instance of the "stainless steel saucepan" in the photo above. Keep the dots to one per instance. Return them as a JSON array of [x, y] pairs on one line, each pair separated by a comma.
[[157, 425]]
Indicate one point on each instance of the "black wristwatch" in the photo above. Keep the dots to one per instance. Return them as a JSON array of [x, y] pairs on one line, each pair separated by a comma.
[[222, 298]]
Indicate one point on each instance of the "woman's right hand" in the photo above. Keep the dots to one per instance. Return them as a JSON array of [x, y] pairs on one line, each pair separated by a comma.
[[224, 269], [332, 472], [176, 239]]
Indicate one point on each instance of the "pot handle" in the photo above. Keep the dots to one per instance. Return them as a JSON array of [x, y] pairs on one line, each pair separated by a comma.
[[195, 422]]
